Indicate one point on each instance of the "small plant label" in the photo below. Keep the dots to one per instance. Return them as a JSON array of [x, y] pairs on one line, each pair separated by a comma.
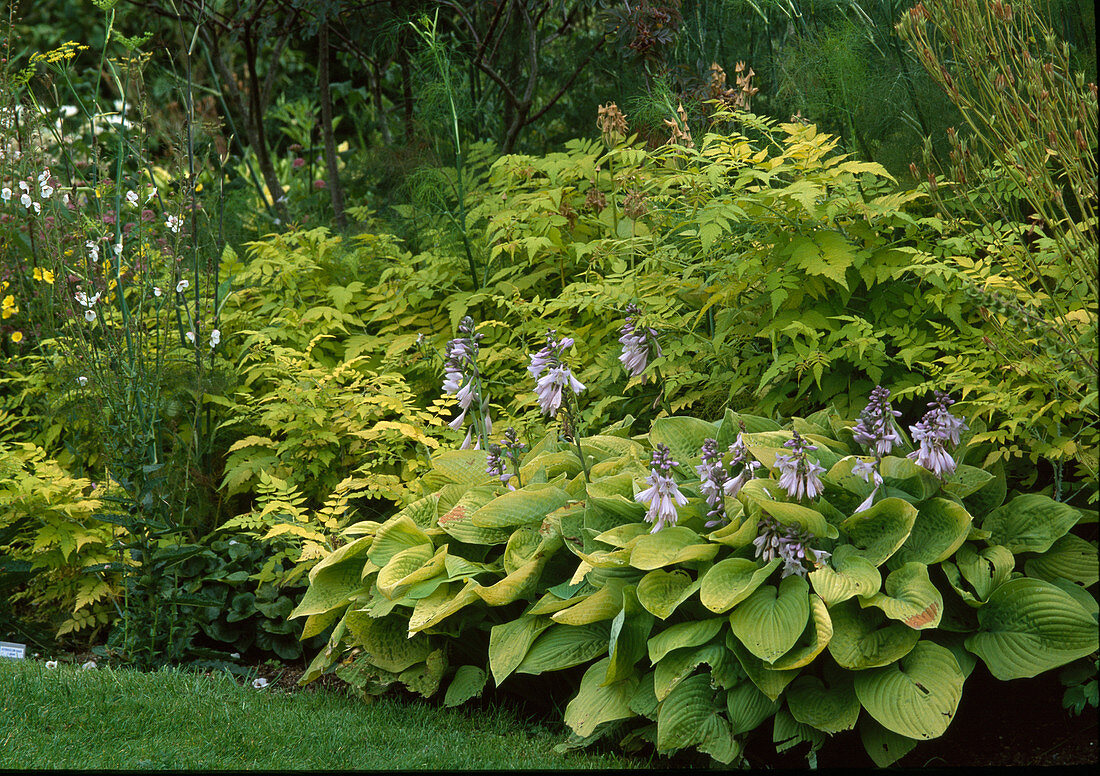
[[13, 650]]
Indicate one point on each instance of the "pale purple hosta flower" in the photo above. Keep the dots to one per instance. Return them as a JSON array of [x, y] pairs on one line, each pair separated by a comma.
[[498, 457], [788, 543], [460, 378], [875, 429], [639, 344], [741, 456], [555, 375], [868, 470], [662, 496], [713, 477], [798, 475], [933, 432]]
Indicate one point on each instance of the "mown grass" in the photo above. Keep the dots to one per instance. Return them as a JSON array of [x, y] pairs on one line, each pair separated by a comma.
[[115, 719]]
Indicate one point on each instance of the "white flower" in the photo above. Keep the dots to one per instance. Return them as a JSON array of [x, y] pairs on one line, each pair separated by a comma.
[[182, 286], [90, 665], [215, 338], [190, 337], [259, 684], [23, 186], [156, 291], [236, 656], [37, 207], [83, 299], [93, 250], [172, 223], [46, 191], [43, 177], [152, 193], [82, 381], [132, 198], [5, 194], [26, 200], [51, 664], [118, 249], [232, 542], [89, 315]]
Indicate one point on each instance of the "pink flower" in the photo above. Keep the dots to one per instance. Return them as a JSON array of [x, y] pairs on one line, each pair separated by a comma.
[[318, 184], [299, 162]]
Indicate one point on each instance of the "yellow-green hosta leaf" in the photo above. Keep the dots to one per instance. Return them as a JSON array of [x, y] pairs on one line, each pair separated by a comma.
[[510, 641], [386, 642], [553, 464], [865, 638], [604, 604], [316, 623], [1030, 523], [853, 485], [770, 620], [408, 567], [441, 604], [770, 682], [422, 511], [332, 587], [551, 603], [757, 494], [1029, 626], [629, 633], [521, 547], [878, 532], [565, 646], [940, 528], [620, 484], [916, 697], [910, 597], [847, 574], [463, 467], [990, 496], [985, 569], [679, 664], [396, 534], [1070, 557], [906, 476], [468, 682], [812, 642], [829, 709], [685, 634], [747, 707], [424, 678], [457, 523], [519, 584], [622, 535], [729, 582], [682, 718], [596, 702], [518, 507], [731, 426], [660, 591], [954, 578], [884, 747], [788, 732], [740, 531], [601, 447], [966, 480], [350, 550], [803, 517], [683, 435], [669, 547]]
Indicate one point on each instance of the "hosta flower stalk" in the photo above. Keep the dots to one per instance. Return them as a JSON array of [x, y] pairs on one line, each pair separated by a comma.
[[662, 496], [789, 543], [798, 474], [462, 379], [933, 433]]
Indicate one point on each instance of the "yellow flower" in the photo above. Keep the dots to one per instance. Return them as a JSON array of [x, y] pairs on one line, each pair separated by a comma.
[[17, 336], [198, 188], [10, 308], [44, 275]]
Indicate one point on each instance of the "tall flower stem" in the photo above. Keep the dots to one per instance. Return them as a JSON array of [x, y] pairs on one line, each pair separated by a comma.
[[572, 421]]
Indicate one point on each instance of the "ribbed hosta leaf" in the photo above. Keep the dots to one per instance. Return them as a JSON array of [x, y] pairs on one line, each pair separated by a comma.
[[565, 646], [604, 604], [729, 582], [630, 631], [1030, 523], [1029, 626], [456, 519], [878, 532], [788, 732], [1071, 557], [520, 583], [518, 507], [747, 707], [622, 535], [679, 664], [966, 480], [441, 604], [803, 517], [468, 682], [865, 638], [940, 528], [741, 529], [916, 697], [910, 597], [510, 641], [660, 591], [596, 703], [395, 535], [408, 567], [884, 747], [682, 717], [684, 634], [770, 620], [466, 467], [684, 436], [668, 547], [829, 709], [812, 642], [768, 681], [386, 642], [333, 586], [847, 574], [908, 477], [985, 569]]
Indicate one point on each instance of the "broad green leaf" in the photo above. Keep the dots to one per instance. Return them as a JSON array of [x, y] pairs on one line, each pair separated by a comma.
[[509, 643], [1070, 557], [622, 535], [350, 550], [604, 604], [803, 517], [901, 474], [865, 638], [770, 620], [788, 732], [916, 697], [829, 709], [683, 435], [424, 678], [884, 747], [550, 603], [521, 547], [552, 464], [739, 532], [731, 426], [985, 569], [966, 480], [660, 591], [468, 682], [990, 496], [386, 642], [812, 642], [565, 646], [670, 546], [1029, 626], [395, 535], [769, 681], [685, 634], [630, 631], [676, 666], [682, 717], [910, 597], [1030, 523], [596, 703], [441, 604], [841, 476], [602, 446], [940, 528], [519, 507], [408, 567], [729, 582], [521, 583], [879, 531], [465, 467], [332, 587], [747, 707], [846, 575]]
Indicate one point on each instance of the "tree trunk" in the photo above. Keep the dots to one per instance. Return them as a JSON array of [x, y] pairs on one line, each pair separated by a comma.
[[335, 189], [257, 135]]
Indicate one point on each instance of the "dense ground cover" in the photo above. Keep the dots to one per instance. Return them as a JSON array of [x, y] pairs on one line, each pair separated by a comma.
[[698, 426]]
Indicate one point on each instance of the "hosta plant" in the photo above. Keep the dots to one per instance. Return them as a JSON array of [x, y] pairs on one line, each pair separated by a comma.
[[708, 578]]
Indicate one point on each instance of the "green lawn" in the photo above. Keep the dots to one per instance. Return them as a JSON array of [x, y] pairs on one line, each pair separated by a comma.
[[123, 720]]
